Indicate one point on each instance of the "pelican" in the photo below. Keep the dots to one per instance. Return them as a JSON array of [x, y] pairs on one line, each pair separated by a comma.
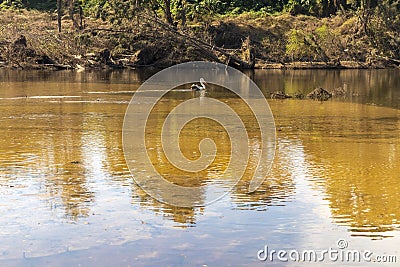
[[196, 87]]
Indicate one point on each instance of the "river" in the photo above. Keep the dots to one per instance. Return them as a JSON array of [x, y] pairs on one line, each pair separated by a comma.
[[68, 197]]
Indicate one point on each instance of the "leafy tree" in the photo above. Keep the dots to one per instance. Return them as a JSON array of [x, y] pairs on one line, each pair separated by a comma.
[[13, 4]]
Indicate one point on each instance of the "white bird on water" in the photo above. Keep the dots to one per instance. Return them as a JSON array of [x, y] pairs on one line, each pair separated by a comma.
[[196, 87]]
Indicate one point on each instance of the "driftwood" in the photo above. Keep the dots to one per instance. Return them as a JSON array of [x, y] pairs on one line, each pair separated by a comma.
[[389, 59], [208, 49], [279, 95], [339, 91], [59, 66], [107, 30], [320, 94]]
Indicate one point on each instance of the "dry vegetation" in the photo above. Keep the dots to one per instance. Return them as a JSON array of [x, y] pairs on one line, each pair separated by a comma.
[[276, 42]]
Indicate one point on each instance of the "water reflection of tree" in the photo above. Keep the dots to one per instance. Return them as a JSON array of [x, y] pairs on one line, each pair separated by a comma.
[[274, 191], [68, 180], [184, 217], [277, 188], [97, 76], [362, 183], [353, 156], [75, 197]]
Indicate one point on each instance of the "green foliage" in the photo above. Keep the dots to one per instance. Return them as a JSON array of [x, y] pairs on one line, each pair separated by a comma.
[[199, 9], [296, 47], [297, 7], [196, 9], [49, 5], [383, 28], [95, 8], [120, 12], [322, 32], [41, 4], [327, 41], [240, 6], [11, 4]]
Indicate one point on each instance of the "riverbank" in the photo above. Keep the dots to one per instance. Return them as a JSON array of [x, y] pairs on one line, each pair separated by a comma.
[[30, 40]]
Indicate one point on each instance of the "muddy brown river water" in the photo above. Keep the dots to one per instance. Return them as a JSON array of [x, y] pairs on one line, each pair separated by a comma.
[[68, 198]]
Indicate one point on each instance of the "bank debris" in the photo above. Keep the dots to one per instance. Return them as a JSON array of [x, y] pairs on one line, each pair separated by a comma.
[[318, 93], [20, 55], [243, 41], [279, 95]]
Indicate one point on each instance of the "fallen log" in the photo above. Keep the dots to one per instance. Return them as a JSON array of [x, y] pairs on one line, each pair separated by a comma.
[[59, 66], [279, 95], [389, 59], [207, 48]]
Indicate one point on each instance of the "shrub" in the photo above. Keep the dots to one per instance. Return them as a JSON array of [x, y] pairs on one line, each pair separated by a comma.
[[296, 47]]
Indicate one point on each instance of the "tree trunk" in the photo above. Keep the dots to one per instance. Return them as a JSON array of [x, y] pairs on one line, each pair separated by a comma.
[[182, 4], [80, 17], [328, 8], [167, 12], [341, 5], [59, 15], [71, 14]]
